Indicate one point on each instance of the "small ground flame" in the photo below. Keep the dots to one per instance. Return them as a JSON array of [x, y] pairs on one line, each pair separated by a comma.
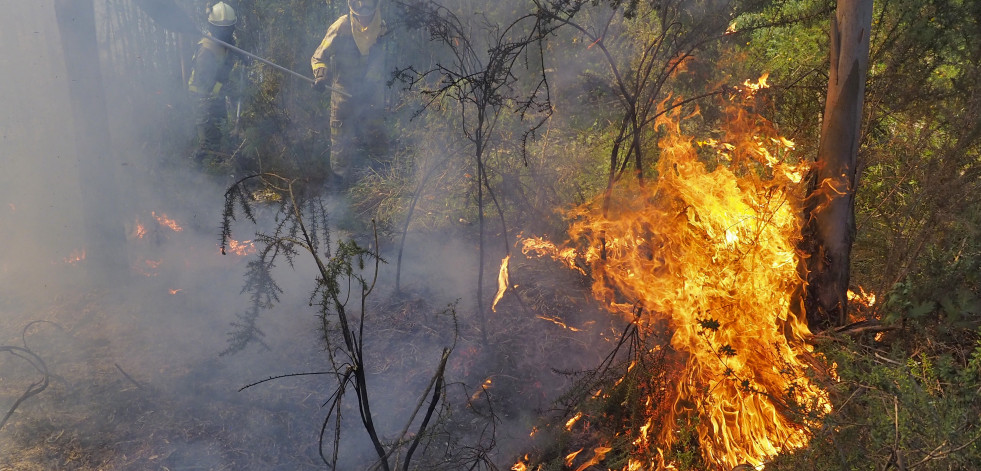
[[147, 267], [234, 247], [139, 231], [559, 323], [487, 384], [164, 221], [862, 298], [75, 257]]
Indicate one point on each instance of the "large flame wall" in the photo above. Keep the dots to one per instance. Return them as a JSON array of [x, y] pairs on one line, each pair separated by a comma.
[[712, 251]]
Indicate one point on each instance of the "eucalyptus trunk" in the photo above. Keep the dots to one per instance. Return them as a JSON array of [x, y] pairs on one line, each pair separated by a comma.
[[829, 209]]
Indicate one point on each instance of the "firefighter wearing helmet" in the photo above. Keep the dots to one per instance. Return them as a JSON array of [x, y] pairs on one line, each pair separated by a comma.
[[210, 69], [351, 57]]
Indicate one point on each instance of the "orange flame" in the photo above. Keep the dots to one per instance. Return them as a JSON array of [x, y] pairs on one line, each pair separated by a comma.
[[140, 231], [760, 84], [166, 222], [711, 250], [599, 453], [559, 323], [148, 267], [235, 247], [862, 297], [569, 423], [538, 246], [487, 384], [75, 257], [502, 282]]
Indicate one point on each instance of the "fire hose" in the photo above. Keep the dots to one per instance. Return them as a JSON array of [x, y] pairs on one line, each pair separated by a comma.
[[170, 16]]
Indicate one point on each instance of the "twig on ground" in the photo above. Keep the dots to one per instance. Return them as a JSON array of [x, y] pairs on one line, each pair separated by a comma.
[[35, 387], [127, 376]]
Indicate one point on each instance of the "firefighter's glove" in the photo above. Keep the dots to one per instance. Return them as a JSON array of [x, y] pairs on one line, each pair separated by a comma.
[[320, 79]]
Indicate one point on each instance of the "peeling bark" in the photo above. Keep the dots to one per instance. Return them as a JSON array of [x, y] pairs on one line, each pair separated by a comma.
[[829, 209]]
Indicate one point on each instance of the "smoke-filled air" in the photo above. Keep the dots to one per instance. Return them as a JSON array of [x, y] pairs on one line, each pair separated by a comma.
[[524, 235]]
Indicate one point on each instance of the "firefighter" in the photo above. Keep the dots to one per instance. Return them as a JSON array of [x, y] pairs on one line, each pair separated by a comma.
[[351, 57], [210, 69]]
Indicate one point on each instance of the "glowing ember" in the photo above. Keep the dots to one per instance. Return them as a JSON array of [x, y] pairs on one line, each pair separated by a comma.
[[559, 323], [166, 222], [572, 456], [75, 257], [175, 291], [488, 383], [710, 250], [502, 282], [147, 267], [140, 231]]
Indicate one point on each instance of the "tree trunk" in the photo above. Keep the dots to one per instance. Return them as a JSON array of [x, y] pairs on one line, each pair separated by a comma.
[[103, 226], [829, 209]]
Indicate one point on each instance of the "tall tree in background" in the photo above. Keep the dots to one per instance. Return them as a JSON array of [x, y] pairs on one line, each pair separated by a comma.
[[829, 210], [90, 118]]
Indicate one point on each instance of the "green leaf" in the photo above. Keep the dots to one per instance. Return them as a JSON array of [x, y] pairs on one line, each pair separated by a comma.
[[922, 309], [709, 324]]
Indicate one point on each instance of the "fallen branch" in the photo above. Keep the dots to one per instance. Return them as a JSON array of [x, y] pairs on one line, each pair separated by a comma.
[[35, 387], [862, 327], [130, 378], [855, 328]]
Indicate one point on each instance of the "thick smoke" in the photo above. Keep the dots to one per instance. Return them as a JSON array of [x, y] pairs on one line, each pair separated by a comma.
[[135, 310]]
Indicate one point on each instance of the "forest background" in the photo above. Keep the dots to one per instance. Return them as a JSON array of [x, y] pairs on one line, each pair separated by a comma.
[[503, 117]]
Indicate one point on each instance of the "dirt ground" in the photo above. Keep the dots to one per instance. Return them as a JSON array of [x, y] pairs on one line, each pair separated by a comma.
[[117, 400], [136, 382]]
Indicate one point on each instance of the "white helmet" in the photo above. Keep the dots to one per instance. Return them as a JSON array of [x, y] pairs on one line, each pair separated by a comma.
[[362, 8], [222, 14]]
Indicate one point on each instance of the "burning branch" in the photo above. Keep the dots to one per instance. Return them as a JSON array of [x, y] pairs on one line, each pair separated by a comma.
[[502, 282]]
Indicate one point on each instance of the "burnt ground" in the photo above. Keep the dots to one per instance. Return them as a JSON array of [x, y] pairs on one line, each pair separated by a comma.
[[118, 400], [136, 382]]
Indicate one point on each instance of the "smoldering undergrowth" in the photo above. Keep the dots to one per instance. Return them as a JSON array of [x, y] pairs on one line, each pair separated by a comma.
[[344, 281]]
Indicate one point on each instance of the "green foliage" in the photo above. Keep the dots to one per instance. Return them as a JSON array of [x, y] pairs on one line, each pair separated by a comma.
[[685, 453], [897, 409], [917, 204], [345, 277], [489, 124]]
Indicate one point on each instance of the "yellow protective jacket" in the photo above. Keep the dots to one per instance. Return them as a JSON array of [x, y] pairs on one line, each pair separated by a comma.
[[357, 71], [209, 68]]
